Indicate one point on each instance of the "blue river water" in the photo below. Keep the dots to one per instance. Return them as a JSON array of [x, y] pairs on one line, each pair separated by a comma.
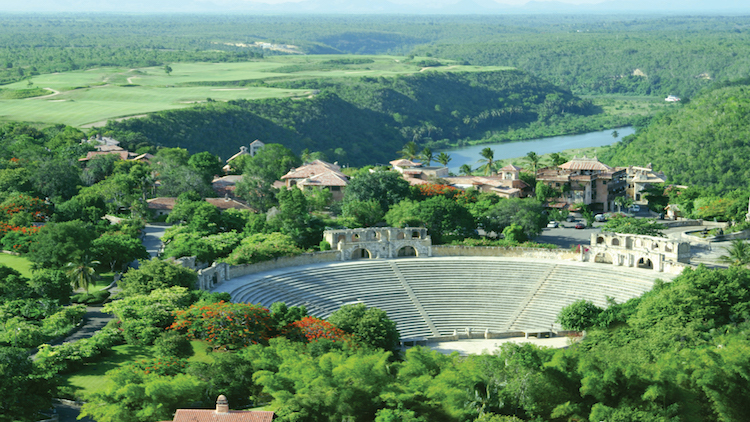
[[470, 155]]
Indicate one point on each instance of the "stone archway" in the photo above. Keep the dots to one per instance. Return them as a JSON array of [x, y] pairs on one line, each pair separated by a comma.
[[603, 258], [361, 253], [645, 263], [407, 251]]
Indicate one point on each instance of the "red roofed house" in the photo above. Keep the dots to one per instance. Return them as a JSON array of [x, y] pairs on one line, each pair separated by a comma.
[[416, 173], [585, 180], [165, 205], [318, 174], [222, 414]]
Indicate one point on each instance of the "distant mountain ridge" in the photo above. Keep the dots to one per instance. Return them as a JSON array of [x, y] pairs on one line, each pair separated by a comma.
[[381, 7]]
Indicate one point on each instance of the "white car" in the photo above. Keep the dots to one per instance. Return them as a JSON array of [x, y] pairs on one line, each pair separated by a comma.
[[635, 208], [552, 225]]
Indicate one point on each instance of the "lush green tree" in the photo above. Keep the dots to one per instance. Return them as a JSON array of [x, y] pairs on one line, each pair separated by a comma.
[[167, 69], [155, 274], [465, 169], [362, 213], [737, 254], [386, 187], [557, 159], [426, 156], [263, 247], [623, 201], [225, 325], [443, 159], [173, 344], [12, 284], [284, 315], [206, 164], [544, 192], [514, 233], [135, 396], [230, 374], [25, 392], [645, 226], [409, 151], [527, 213], [56, 178], [370, 325], [533, 158], [99, 168], [579, 315], [56, 244], [441, 216], [82, 272], [488, 161], [118, 250], [52, 284]]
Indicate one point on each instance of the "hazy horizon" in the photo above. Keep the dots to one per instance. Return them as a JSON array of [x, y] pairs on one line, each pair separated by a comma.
[[405, 7]]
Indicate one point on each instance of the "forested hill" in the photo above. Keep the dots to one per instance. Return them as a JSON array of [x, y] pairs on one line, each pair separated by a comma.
[[366, 120], [705, 142]]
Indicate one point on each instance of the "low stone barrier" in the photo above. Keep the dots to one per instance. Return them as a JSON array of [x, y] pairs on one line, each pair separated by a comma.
[[537, 253]]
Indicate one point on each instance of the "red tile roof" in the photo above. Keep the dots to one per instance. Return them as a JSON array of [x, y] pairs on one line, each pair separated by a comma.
[[313, 168], [585, 164], [210, 415]]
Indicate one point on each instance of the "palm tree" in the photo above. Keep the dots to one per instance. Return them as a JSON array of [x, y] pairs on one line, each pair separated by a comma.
[[82, 272], [533, 159], [465, 169], [427, 156], [557, 159], [409, 151], [489, 160], [443, 159], [738, 253]]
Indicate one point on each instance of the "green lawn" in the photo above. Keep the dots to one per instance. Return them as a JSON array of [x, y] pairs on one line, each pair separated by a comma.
[[18, 263], [92, 377], [91, 97]]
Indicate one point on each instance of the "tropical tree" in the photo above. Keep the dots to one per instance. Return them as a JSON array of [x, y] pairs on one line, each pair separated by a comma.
[[427, 156], [623, 201], [465, 169], [615, 134], [533, 159], [167, 69], [488, 161], [81, 272], [738, 253], [409, 151], [443, 159], [557, 159]]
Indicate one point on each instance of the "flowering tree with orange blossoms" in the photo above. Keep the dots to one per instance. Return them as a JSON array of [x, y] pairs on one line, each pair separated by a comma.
[[225, 325], [313, 329]]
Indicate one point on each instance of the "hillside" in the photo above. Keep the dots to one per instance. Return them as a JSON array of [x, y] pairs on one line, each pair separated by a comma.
[[705, 142], [365, 120]]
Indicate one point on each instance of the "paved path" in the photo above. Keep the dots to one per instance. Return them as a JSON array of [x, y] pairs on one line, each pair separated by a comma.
[[152, 235]]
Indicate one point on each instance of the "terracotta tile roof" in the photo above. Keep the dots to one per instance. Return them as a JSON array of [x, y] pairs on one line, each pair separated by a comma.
[[585, 164], [227, 203], [91, 154], [210, 415], [402, 162], [511, 167], [311, 169], [325, 179], [227, 180], [161, 203]]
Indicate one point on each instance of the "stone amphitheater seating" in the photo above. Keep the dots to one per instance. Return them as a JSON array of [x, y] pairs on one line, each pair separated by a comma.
[[432, 297]]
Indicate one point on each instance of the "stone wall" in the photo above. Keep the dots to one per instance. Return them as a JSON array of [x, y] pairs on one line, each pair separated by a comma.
[[538, 253], [218, 272]]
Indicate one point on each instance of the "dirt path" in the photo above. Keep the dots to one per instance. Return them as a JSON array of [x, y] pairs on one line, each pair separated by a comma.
[[54, 92]]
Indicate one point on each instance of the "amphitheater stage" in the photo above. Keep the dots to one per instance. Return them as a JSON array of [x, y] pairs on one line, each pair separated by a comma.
[[479, 346], [440, 298]]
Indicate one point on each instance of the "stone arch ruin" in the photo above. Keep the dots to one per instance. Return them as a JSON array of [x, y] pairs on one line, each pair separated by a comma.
[[380, 242], [637, 251]]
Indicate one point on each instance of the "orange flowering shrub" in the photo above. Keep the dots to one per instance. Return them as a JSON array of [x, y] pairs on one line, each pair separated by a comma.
[[164, 366], [225, 325], [429, 191], [313, 329]]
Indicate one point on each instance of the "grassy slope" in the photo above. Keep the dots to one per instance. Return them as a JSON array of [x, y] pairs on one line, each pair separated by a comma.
[[92, 96], [20, 264]]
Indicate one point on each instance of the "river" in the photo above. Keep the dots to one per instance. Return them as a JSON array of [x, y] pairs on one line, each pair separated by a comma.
[[470, 155]]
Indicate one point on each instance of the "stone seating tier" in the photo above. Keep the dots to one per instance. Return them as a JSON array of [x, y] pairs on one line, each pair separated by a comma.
[[430, 297]]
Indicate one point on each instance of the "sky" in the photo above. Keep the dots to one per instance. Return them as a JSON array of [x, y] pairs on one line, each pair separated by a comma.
[[381, 6]]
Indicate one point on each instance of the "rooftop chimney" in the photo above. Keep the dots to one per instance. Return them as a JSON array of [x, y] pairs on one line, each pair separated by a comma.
[[222, 405]]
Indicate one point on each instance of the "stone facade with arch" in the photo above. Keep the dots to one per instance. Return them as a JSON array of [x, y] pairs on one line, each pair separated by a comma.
[[379, 242], [632, 250]]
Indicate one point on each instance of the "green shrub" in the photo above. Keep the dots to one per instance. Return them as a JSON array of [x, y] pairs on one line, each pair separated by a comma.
[[91, 298], [173, 344]]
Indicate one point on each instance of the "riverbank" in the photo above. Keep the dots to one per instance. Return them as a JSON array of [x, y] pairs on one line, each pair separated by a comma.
[[513, 152]]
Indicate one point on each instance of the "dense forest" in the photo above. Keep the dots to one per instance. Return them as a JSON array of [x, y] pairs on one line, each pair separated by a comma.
[[642, 55], [366, 120], [704, 143]]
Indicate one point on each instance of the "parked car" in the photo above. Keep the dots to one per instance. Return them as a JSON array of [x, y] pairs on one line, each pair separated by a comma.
[[635, 208], [600, 218], [570, 218], [580, 226], [553, 224]]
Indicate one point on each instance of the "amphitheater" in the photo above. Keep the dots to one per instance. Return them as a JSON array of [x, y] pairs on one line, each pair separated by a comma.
[[447, 298]]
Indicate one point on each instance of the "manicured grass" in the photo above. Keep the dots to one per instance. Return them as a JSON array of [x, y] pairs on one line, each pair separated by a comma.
[[18, 263], [93, 96], [93, 376]]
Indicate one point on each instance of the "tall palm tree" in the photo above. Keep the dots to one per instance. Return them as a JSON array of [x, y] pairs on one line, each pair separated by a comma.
[[738, 253], [465, 169], [489, 161], [81, 272], [427, 156], [409, 151], [533, 159], [557, 159], [443, 159]]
